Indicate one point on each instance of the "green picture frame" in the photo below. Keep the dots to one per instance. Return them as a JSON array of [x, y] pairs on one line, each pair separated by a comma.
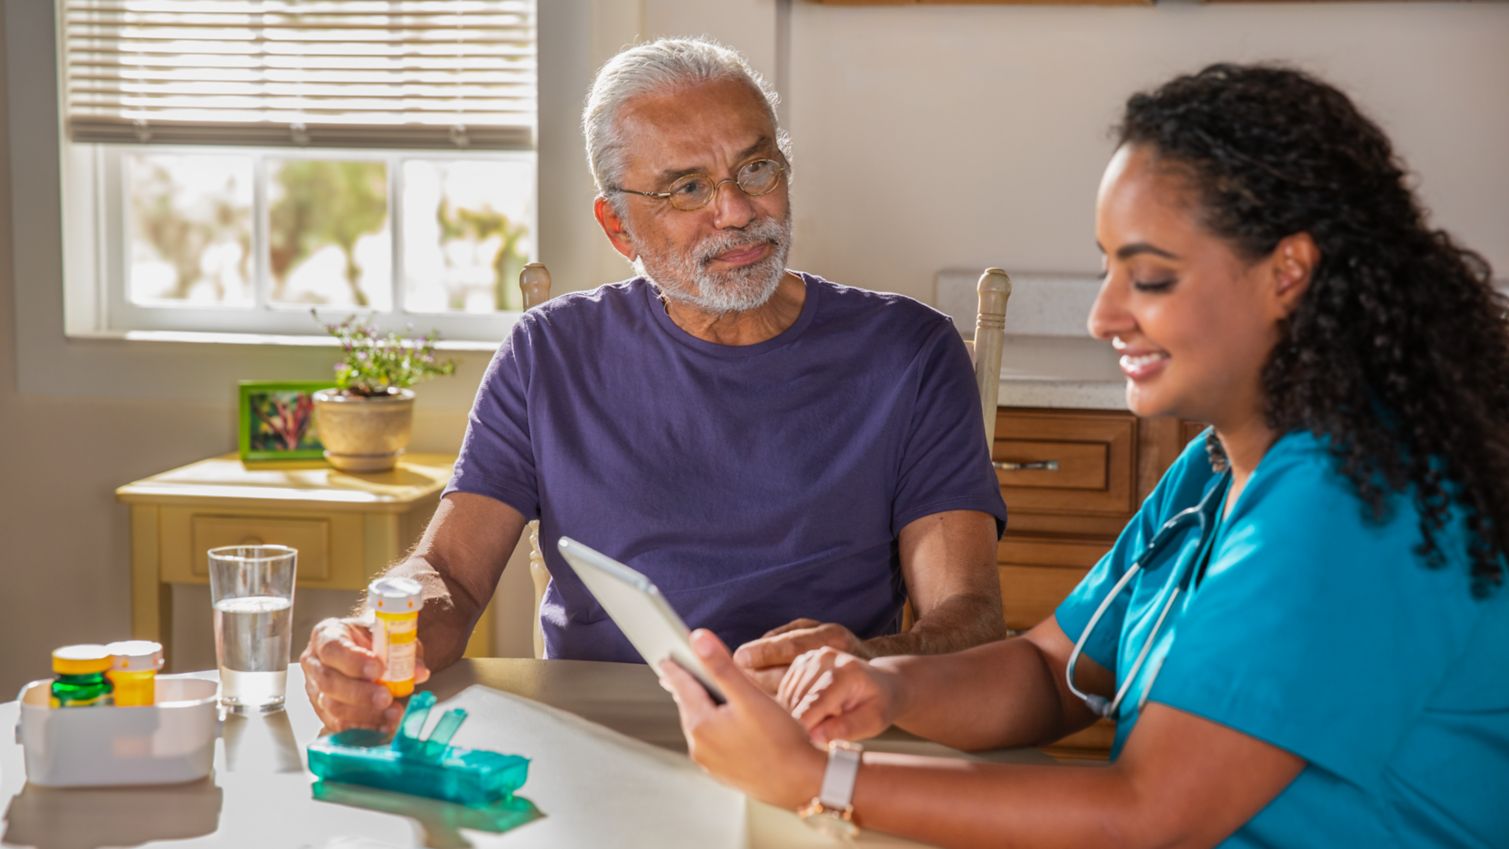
[[275, 420]]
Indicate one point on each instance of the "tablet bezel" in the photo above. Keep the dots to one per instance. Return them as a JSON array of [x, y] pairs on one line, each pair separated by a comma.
[[638, 608]]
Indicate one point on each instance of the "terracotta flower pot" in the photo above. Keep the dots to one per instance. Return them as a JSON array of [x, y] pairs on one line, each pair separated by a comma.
[[361, 433]]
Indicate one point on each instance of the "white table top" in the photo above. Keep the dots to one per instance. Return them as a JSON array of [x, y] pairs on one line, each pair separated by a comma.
[[608, 768]]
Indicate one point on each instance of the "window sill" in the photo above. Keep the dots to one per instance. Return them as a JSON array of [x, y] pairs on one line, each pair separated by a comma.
[[168, 366]]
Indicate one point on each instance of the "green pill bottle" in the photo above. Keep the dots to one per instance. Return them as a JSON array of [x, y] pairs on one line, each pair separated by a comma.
[[79, 676]]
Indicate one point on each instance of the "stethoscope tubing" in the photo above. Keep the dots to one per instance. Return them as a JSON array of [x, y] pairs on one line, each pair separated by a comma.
[[1097, 703]]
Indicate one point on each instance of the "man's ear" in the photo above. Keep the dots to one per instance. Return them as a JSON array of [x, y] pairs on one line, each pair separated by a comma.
[[1294, 261], [614, 227]]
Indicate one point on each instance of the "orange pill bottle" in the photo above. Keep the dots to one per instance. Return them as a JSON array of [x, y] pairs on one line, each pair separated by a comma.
[[395, 603]]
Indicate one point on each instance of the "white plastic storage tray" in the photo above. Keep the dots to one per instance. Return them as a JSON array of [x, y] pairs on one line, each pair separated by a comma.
[[167, 743]]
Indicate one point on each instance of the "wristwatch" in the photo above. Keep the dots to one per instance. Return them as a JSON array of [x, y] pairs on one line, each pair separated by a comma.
[[832, 809]]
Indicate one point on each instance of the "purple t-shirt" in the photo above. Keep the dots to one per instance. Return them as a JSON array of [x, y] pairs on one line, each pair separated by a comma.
[[754, 485]]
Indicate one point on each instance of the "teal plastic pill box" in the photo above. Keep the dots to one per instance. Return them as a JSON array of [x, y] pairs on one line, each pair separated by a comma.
[[417, 765]]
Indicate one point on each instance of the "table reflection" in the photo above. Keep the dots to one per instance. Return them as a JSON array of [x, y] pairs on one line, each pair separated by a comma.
[[88, 818]]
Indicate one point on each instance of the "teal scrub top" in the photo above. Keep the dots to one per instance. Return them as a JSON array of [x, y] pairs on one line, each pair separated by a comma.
[[1318, 630]]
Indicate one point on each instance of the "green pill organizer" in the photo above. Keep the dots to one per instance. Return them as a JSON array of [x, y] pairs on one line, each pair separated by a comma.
[[421, 766]]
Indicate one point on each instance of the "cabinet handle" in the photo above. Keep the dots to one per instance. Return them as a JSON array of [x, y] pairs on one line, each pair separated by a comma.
[[1029, 466]]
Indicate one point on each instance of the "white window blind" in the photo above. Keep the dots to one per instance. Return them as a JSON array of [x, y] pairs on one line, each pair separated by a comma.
[[321, 73]]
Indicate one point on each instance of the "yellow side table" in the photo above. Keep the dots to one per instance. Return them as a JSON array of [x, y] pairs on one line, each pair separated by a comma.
[[347, 527]]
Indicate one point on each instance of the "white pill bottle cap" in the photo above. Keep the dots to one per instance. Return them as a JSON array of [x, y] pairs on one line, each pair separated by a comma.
[[136, 655], [394, 595]]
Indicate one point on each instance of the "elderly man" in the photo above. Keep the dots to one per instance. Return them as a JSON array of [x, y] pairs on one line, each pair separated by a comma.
[[788, 459]]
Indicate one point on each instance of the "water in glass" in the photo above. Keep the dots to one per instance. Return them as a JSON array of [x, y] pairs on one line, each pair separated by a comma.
[[252, 636]]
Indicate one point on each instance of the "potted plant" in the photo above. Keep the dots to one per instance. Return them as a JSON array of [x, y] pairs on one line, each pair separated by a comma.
[[366, 421]]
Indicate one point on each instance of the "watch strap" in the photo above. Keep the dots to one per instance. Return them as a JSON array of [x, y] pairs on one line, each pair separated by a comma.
[[839, 776]]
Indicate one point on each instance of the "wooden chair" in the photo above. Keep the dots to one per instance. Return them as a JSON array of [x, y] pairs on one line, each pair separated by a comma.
[[984, 349], [534, 281], [990, 338]]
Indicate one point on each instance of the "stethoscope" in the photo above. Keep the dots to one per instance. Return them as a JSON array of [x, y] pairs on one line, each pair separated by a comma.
[[1202, 515]]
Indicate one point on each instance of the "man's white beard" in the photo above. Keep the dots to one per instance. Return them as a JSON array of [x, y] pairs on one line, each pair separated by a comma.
[[685, 278]]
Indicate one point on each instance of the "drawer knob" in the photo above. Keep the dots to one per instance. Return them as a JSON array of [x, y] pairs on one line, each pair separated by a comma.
[[1028, 466], [252, 539]]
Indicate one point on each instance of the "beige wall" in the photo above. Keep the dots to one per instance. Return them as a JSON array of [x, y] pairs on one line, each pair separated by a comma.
[[937, 136], [988, 125]]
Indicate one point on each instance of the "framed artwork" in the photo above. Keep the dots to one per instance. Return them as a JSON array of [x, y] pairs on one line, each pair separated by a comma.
[[277, 422]]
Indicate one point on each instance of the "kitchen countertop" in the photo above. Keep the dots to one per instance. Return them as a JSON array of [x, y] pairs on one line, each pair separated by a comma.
[[1068, 394]]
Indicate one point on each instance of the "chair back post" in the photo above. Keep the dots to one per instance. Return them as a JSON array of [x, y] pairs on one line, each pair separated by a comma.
[[534, 282], [990, 337]]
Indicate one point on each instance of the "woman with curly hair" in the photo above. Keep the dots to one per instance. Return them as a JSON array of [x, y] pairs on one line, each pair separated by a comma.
[[1303, 635]]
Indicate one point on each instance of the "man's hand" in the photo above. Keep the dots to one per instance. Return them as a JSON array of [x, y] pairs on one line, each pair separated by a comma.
[[837, 696], [765, 660], [340, 676]]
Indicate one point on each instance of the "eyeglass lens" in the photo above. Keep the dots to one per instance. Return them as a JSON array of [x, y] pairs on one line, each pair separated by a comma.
[[755, 178]]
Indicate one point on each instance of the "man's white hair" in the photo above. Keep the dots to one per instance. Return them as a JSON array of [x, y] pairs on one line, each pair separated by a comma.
[[659, 66]]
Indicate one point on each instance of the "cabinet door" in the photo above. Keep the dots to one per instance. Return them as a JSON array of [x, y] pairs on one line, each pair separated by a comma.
[[1071, 479], [1038, 572]]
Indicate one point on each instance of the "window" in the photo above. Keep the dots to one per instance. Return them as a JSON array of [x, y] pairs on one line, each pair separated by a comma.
[[233, 163]]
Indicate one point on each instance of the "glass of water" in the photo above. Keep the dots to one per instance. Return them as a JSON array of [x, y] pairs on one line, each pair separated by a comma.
[[252, 590]]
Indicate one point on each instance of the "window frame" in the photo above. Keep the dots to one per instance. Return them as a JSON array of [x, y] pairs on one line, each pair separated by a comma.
[[96, 211], [96, 173]]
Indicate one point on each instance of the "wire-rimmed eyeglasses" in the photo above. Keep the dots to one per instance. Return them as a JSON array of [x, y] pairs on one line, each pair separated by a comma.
[[694, 191]]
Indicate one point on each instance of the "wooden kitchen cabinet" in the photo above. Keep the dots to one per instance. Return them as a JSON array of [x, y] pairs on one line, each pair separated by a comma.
[[1071, 479]]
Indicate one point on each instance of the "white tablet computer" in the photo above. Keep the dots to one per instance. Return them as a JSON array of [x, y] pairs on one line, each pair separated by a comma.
[[639, 610]]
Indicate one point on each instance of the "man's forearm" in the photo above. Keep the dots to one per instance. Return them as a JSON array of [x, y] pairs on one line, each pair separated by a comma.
[[449, 614], [957, 623]]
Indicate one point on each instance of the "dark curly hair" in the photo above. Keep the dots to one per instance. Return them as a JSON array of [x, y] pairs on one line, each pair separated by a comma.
[[1399, 350]]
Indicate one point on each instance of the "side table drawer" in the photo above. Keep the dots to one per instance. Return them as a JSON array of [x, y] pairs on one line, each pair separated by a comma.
[[311, 537], [330, 545]]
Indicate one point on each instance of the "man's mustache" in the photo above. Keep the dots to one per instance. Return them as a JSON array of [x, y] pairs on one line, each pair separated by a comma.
[[767, 232]]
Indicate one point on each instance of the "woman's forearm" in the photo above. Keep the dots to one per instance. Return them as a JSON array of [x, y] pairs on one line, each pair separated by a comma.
[[951, 803], [1181, 782], [999, 695]]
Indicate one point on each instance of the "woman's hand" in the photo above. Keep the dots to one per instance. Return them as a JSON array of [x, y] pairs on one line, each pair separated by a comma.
[[837, 696], [767, 659], [750, 742]]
